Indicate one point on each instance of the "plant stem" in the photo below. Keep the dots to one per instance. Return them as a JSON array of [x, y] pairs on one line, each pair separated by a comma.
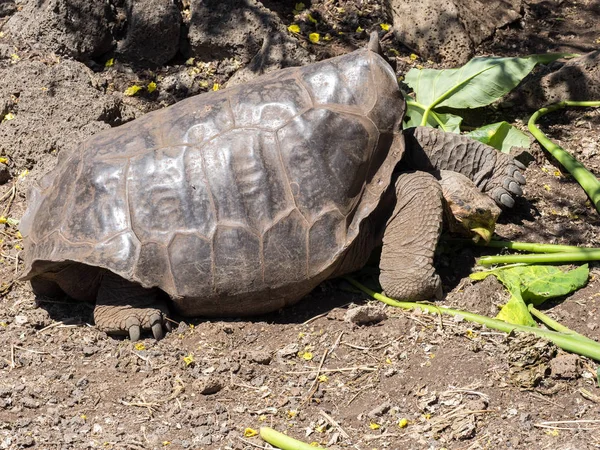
[[584, 177], [526, 246], [582, 254], [283, 441], [551, 323], [572, 343]]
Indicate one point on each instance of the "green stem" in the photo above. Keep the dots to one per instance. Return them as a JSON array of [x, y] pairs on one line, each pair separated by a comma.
[[582, 254], [283, 441], [532, 247], [551, 323], [572, 343], [429, 111], [584, 177]]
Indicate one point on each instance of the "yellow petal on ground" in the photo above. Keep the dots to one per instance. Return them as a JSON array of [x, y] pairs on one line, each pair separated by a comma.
[[23, 173], [307, 356], [413, 57], [323, 378], [189, 359], [314, 37], [402, 423], [249, 432], [19, 235], [216, 87], [132, 90], [360, 29], [327, 37], [110, 62], [3, 219], [294, 28], [8, 116], [151, 87], [3, 160], [385, 26], [374, 426], [139, 346], [311, 18]]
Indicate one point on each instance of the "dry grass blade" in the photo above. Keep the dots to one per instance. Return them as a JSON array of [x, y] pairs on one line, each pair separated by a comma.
[[561, 425]]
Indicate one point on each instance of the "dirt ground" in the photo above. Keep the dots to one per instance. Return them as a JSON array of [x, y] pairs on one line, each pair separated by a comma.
[[306, 370]]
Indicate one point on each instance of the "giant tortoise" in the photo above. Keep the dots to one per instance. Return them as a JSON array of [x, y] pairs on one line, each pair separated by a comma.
[[241, 201]]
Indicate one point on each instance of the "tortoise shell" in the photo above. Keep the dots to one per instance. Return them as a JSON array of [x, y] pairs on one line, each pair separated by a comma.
[[229, 200]]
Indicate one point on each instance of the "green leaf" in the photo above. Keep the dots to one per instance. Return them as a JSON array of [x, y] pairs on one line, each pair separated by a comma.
[[543, 282], [447, 122], [501, 135], [516, 312], [533, 284], [480, 82]]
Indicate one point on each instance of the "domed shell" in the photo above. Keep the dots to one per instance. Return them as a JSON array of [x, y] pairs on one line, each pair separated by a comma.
[[231, 194]]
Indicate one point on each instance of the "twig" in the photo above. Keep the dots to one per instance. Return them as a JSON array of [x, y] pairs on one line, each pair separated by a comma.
[[246, 441], [334, 423], [589, 396], [552, 425], [12, 356], [341, 369], [315, 382], [13, 192], [379, 347]]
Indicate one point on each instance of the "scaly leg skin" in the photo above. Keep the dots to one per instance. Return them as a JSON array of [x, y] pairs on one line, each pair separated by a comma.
[[410, 239], [494, 173], [123, 307]]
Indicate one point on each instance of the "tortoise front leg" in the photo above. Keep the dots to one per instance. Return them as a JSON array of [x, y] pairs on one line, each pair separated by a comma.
[[124, 307], [494, 173], [410, 239]]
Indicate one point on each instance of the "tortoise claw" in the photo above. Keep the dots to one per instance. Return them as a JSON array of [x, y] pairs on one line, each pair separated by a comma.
[[156, 321], [513, 186], [507, 200], [135, 331]]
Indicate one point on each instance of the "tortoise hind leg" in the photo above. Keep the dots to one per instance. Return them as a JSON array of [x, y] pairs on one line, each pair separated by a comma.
[[124, 307], [410, 239]]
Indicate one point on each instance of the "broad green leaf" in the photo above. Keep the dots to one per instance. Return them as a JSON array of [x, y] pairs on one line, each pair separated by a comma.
[[516, 312], [447, 122], [533, 284], [543, 282], [480, 82], [501, 135]]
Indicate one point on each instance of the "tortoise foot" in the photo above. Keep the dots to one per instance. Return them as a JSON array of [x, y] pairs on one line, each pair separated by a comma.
[[125, 308]]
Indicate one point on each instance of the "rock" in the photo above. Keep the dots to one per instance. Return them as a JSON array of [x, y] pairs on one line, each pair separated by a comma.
[[367, 314], [7, 8], [288, 351], [449, 31], [243, 30], [380, 410], [566, 366], [77, 28], [578, 79], [260, 357], [152, 33], [58, 107], [208, 385], [277, 52], [90, 350], [21, 320]]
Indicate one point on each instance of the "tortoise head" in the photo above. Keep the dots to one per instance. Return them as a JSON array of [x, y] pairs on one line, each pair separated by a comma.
[[469, 211]]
